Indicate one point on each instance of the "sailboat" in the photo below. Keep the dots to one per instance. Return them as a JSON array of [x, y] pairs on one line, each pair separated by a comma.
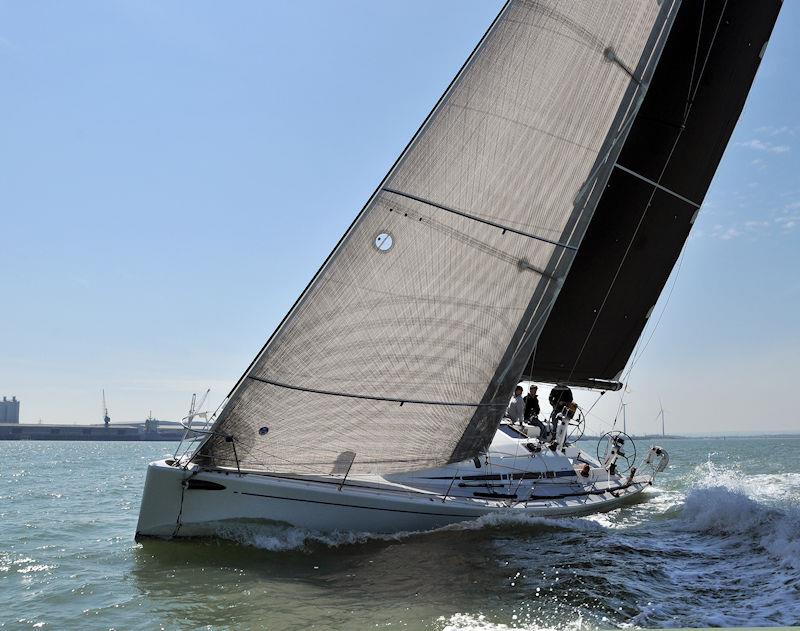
[[525, 233]]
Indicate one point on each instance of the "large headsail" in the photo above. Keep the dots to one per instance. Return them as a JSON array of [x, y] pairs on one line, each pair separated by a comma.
[[402, 351], [655, 191]]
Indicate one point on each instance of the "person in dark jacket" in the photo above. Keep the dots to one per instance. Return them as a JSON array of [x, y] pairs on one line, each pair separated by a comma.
[[560, 398], [532, 410]]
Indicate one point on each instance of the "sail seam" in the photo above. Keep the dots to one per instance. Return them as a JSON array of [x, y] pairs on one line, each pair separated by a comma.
[[460, 213], [369, 397], [520, 123]]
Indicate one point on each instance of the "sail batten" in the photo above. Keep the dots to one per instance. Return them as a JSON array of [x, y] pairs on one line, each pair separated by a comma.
[[439, 289], [656, 185], [367, 397], [466, 215]]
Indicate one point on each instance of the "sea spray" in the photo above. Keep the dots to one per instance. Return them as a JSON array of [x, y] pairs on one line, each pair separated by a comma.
[[730, 514]]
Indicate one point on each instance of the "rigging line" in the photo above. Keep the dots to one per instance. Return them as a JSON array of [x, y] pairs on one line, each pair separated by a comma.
[[603, 421], [708, 54], [696, 54], [428, 202], [649, 201], [638, 356], [368, 397], [597, 400]]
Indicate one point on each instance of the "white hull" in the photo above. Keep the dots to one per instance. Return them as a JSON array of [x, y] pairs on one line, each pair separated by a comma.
[[191, 502]]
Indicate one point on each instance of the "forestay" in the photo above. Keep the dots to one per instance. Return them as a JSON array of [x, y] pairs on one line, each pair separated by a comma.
[[400, 353]]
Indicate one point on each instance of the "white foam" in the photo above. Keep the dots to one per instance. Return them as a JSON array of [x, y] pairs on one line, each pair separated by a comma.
[[478, 622], [763, 508], [778, 488], [512, 518], [283, 538]]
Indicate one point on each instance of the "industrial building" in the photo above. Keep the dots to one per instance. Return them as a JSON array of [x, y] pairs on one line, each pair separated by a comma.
[[148, 431], [29, 431], [9, 410], [151, 429]]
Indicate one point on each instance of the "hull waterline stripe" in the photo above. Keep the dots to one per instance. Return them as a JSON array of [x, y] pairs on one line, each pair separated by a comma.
[[390, 510], [460, 213], [469, 516], [597, 492], [368, 397], [528, 475]]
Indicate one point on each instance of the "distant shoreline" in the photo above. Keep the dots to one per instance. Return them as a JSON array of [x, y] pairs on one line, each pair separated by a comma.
[[794, 435]]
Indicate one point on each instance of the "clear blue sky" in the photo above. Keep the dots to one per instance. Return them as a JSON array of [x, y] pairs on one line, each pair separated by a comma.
[[172, 174]]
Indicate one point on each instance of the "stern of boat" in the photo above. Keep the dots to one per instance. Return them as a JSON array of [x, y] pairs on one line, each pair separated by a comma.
[[161, 500]]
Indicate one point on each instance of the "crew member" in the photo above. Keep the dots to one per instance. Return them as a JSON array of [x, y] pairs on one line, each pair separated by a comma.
[[560, 398], [515, 411], [532, 410]]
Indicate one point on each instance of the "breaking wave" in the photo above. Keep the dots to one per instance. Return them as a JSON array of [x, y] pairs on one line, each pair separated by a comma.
[[734, 517], [731, 553], [275, 537]]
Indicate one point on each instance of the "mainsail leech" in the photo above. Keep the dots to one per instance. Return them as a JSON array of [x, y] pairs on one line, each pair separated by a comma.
[[445, 308]]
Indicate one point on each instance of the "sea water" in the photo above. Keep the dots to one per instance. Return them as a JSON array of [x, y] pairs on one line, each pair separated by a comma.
[[716, 543]]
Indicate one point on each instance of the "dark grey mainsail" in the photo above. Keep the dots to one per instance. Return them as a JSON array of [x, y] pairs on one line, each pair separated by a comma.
[[655, 191], [401, 352]]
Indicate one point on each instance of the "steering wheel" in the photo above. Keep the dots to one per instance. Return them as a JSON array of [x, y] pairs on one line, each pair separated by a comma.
[[576, 427], [608, 439]]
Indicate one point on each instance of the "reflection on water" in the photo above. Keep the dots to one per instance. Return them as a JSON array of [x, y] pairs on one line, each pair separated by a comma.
[[717, 543], [412, 581]]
